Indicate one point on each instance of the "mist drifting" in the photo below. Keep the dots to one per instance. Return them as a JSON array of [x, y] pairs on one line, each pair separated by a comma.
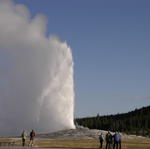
[[36, 74]]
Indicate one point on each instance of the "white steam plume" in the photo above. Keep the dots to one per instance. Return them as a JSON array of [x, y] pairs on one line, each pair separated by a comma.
[[36, 74]]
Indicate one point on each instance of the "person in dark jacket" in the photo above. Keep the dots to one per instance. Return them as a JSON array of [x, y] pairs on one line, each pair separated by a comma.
[[108, 140], [32, 135]]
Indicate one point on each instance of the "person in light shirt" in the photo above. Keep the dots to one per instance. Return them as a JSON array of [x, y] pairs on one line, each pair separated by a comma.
[[23, 136]]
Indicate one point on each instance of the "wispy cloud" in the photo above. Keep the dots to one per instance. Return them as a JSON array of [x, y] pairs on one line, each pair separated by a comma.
[[123, 97], [141, 97]]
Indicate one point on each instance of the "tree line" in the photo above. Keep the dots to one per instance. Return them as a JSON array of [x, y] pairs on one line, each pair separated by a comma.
[[135, 122]]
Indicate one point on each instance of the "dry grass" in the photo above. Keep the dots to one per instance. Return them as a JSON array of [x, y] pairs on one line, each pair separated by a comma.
[[68, 143], [136, 143], [84, 143]]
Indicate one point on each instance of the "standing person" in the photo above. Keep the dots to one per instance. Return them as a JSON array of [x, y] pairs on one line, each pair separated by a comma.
[[23, 136], [101, 139], [108, 139], [32, 135], [117, 140]]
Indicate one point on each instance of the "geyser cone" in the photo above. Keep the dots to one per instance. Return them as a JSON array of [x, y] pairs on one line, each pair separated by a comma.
[[36, 74]]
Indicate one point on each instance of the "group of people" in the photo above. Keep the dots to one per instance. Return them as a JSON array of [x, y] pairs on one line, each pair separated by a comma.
[[24, 137], [112, 141]]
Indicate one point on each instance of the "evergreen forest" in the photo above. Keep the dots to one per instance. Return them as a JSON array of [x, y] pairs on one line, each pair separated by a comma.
[[134, 122]]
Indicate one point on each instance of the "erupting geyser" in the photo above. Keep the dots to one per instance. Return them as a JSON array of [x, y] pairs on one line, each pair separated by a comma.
[[36, 74]]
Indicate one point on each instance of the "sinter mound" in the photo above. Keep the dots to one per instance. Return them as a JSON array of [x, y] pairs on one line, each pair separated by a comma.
[[78, 133]]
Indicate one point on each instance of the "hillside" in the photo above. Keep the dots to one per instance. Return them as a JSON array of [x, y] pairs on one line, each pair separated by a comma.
[[134, 122]]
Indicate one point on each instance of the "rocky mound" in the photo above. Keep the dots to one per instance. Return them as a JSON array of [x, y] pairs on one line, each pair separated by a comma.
[[78, 133]]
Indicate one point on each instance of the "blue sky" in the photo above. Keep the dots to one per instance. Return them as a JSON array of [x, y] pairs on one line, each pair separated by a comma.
[[110, 41]]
